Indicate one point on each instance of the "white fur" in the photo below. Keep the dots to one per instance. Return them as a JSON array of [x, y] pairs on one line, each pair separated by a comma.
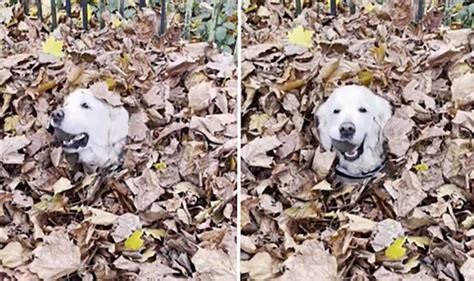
[[106, 126], [368, 125]]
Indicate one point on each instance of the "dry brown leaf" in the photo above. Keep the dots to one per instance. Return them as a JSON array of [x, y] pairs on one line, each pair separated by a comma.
[[462, 89], [260, 267], [125, 225], [359, 224], [201, 95], [407, 193], [13, 255], [214, 265], [5, 74], [322, 162], [385, 232], [255, 152], [9, 148], [395, 132], [56, 257], [101, 91], [310, 262]]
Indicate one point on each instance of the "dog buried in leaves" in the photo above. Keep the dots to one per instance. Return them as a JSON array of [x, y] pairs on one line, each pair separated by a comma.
[[92, 128], [351, 122]]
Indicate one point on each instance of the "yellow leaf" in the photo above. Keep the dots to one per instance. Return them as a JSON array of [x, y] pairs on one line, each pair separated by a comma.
[[43, 87], [157, 233], [468, 222], [89, 14], [53, 47], [421, 167], [412, 263], [293, 84], [396, 251], [257, 121], [328, 4], [124, 61], [330, 215], [301, 37], [365, 77], [10, 123], [160, 166], [369, 7], [379, 53], [135, 241], [232, 164], [116, 22], [110, 83], [419, 241]]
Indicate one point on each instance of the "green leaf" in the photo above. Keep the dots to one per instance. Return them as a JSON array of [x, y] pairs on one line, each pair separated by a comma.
[[226, 49], [423, 167], [396, 251], [229, 25], [129, 13], [301, 37], [221, 33], [135, 241], [53, 47], [229, 40]]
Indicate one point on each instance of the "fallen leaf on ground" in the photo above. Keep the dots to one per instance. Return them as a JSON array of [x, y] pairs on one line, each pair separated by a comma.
[[255, 152], [310, 262], [9, 148], [56, 257]]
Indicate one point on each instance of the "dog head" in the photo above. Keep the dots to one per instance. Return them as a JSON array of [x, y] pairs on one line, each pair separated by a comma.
[[351, 121], [85, 121]]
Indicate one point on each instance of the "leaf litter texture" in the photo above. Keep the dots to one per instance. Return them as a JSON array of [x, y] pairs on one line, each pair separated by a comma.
[[412, 222], [171, 208]]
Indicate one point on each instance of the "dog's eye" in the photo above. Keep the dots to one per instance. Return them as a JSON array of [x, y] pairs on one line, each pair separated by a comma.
[[362, 110], [336, 111], [85, 105]]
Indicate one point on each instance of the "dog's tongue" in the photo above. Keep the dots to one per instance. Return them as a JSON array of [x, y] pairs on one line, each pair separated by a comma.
[[344, 146], [61, 135]]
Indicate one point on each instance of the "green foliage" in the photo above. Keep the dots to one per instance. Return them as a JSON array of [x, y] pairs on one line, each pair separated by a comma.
[[113, 6], [202, 25], [460, 15]]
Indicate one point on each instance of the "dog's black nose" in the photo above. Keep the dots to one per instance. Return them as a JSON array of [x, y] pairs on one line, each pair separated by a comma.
[[58, 116], [347, 130]]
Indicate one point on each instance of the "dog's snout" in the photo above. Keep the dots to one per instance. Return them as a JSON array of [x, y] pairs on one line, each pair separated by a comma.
[[58, 116], [347, 130]]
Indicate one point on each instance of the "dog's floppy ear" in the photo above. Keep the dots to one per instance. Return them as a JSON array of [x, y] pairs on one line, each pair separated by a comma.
[[383, 111], [322, 116], [119, 130]]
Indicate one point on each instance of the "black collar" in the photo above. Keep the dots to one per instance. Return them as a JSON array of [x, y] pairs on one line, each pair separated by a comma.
[[362, 175]]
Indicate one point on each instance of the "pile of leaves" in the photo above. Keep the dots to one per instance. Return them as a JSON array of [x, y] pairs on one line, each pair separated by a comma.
[[414, 221], [170, 210]]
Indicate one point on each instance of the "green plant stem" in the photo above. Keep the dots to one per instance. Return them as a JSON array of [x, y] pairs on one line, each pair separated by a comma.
[[215, 15], [298, 7], [187, 19]]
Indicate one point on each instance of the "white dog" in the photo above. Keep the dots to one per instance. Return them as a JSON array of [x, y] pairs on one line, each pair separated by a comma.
[[351, 123], [93, 129]]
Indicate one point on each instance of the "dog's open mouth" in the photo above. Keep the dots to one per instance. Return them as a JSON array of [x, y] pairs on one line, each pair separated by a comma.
[[351, 152], [71, 141]]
